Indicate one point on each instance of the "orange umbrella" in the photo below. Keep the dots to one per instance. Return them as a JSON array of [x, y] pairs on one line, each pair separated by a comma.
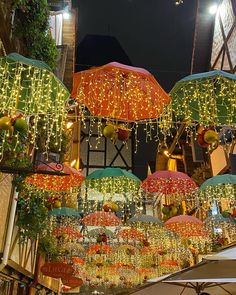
[[101, 218], [120, 92], [131, 234], [56, 182], [67, 230], [99, 249]]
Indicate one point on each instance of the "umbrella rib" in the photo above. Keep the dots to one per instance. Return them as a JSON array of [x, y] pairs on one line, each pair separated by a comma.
[[183, 289], [224, 289]]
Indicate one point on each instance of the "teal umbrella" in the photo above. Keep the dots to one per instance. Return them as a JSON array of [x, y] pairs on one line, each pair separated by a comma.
[[217, 187], [219, 180], [113, 180], [64, 211], [208, 98], [142, 218], [93, 233]]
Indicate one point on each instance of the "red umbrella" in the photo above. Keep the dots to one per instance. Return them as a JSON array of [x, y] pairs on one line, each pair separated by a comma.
[[56, 182], [120, 92], [169, 183], [101, 218]]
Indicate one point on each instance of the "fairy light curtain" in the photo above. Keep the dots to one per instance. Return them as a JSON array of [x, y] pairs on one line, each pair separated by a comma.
[[121, 94], [208, 98], [29, 88]]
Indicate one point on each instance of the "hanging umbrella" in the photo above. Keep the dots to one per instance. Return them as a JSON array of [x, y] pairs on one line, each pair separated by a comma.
[[99, 249], [48, 182], [68, 231], [64, 211], [145, 219], [217, 187], [112, 180], [120, 92], [28, 88], [101, 218], [186, 226], [208, 98], [94, 233], [130, 234], [169, 183]]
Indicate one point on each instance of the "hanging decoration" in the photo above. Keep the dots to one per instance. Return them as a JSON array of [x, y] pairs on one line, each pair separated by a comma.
[[190, 229], [70, 178], [101, 218], [207, 98], [219, 188], [125, 96], [130, 234], [31, 98]]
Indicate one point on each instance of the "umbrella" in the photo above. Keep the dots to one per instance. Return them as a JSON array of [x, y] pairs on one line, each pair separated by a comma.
[[54, 182], [101, 218], [67, 230], [169, 183], [29, 88], [94, 233], [130, 234], [120, 92], [217, 187], [208, 98], [99, 249], [186, 226], [64, 211], [112, 180], [144, 219]]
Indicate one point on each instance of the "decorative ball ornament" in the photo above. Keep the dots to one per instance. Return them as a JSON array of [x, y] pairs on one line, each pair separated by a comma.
[[21, 125], [210, 136], [123, 134], [201, 141], [109, 131], [5, 123]]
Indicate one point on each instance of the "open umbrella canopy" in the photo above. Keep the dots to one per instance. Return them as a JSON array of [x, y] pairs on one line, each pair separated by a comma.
[[120, 92], [94, 233], [146, 219], [48, 182], [29, 89], [219, 186], [169, 183], [64, 211], [101, 218], [112, 180], [208, 98], [131, 234]]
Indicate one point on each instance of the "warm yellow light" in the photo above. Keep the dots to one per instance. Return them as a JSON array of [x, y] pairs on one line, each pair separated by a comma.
[[69, 125], [166, 153], [73, 163]]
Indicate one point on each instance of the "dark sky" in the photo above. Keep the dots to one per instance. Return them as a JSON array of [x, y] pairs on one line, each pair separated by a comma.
[[155, 34]]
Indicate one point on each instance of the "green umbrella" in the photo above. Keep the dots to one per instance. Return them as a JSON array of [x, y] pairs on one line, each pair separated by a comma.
[[29, 88], [208, 98], [93, 233], [64, 211], [217, 187], [113, 180]]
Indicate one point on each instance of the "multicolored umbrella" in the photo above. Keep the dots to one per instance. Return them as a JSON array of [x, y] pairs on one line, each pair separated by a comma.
[[112, 180], [120, 92], [101, 218], [169, 183], [74, 178], [208, 98], [94, 233], [67, 230]]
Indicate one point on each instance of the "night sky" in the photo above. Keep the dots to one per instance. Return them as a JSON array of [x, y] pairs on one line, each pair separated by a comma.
[[155, 34]]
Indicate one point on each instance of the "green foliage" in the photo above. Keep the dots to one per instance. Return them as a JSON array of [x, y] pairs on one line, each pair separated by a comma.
[[48, 246], [33, 219], [32, 25]]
